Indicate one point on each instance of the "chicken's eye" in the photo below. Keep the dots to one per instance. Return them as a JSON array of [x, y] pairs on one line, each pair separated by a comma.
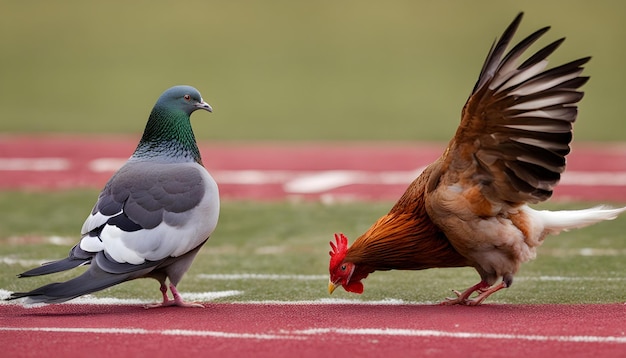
[[343, 267], [187, 97]]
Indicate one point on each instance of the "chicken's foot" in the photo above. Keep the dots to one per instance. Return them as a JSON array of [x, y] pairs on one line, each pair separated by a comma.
[[483, 289], [486, 293], [462, 297]]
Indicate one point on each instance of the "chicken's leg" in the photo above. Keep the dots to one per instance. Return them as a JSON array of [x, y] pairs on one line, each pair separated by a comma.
[[462, 298], [485, 293], [483, 290]]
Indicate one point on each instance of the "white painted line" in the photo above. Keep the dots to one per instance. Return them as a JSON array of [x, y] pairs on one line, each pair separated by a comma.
[[328, 180], [276, 277], [325, 181], [336, 301], [91, 300], [572, 279], [102, 165], [332, 179], [462, 335], [255, 177], [256, 276], [34, 164], [209, 296], [328, 333], [593, 178], [298, 182], [141, 331], [218, 334], [9, 260]]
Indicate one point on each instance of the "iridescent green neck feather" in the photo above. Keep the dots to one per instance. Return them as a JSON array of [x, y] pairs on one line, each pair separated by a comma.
[[168, 136]]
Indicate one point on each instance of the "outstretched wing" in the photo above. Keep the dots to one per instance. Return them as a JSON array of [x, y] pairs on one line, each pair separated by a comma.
[[516, 126]]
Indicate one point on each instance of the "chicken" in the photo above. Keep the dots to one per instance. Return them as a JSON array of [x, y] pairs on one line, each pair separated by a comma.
[[470, 206]]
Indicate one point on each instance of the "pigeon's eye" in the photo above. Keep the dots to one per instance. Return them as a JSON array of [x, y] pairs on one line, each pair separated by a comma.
[[187, 97]]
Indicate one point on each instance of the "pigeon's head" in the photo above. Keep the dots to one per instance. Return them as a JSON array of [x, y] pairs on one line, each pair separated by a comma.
[[185, 98]]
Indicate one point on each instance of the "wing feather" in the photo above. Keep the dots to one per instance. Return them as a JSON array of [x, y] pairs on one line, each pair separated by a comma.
[[516, 126], [142, 207]]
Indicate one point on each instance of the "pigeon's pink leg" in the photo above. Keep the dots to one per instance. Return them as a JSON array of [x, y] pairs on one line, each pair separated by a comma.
[[166, 299], [177, 301], [163, 290]]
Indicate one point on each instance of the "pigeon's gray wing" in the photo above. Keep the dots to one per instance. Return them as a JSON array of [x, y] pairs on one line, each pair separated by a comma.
[[151, 211]]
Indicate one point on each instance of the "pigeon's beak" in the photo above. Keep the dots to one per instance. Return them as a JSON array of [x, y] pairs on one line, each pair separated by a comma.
[[331, 287], [203, 105]]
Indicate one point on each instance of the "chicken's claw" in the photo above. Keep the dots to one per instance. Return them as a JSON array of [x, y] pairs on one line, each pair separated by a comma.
[[450, 301], [483, 289], [462, 298]]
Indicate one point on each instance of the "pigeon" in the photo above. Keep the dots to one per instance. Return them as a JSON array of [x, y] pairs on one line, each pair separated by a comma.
[[152, 217]]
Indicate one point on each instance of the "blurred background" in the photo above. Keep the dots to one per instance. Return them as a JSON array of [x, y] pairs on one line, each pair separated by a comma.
[[288, 70]]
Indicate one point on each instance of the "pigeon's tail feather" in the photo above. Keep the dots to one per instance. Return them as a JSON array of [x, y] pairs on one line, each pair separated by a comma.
[[77, 257], [55, 266], [92, 280]]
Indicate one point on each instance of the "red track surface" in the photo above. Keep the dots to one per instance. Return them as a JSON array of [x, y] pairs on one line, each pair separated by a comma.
[[243, 330], [271, 171]]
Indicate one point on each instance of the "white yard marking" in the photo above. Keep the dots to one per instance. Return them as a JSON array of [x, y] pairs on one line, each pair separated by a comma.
[[141, 331], [332, 179], [297, 182], [276, 277], [328, 180], [593, 178], [257, 276], [10, 260], [573, 279], [336, 301], [34, 164], [103, 165], [91, 300], [328, 333], [461, 335]]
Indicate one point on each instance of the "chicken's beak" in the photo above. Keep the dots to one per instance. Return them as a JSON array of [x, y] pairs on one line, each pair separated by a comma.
[[331, 287]]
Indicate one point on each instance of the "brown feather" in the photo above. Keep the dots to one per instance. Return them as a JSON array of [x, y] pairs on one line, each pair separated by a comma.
[[405, 238]]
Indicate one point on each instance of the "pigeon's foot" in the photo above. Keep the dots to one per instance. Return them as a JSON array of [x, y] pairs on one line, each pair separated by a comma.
[[177, 301]]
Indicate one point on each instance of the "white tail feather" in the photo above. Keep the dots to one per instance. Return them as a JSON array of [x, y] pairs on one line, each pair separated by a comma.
[[556, 221]]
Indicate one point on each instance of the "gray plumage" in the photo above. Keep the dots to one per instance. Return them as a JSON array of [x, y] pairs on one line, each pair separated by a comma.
[[151, 218]]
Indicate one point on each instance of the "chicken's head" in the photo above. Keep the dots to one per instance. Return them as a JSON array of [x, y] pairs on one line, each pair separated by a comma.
[[341, 272]]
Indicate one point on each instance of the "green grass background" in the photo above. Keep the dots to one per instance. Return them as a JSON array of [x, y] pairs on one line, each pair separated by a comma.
[[288, 70], [294, 71]]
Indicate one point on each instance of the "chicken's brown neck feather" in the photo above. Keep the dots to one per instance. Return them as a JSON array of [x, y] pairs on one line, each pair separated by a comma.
[[405, 238]]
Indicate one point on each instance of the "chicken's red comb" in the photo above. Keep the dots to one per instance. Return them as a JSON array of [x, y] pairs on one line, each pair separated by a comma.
[[339, 251]]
